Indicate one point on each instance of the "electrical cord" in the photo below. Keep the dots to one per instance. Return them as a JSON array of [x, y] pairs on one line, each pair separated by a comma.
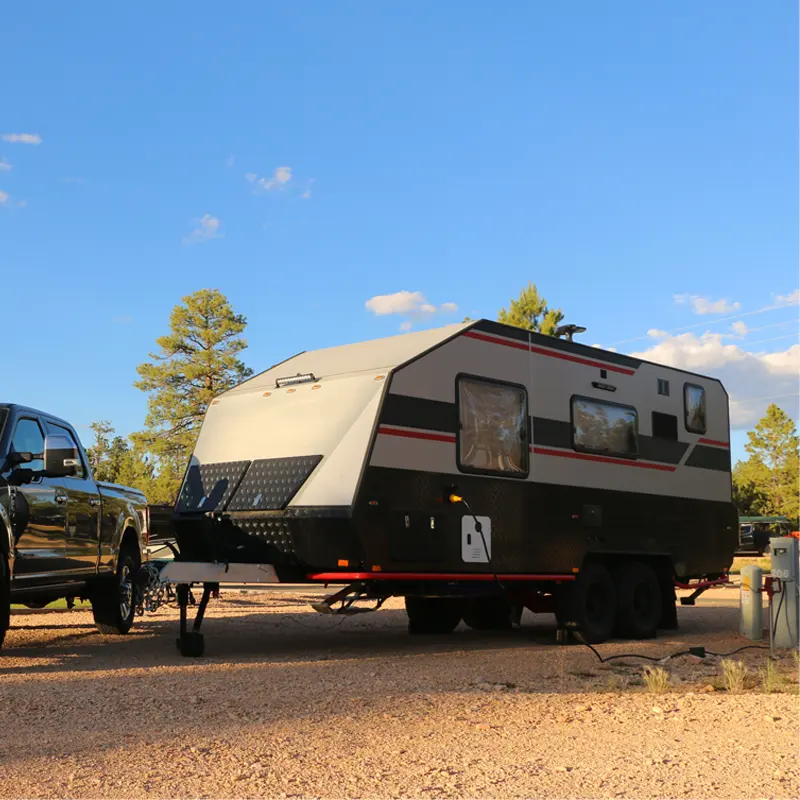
[[700, 652]]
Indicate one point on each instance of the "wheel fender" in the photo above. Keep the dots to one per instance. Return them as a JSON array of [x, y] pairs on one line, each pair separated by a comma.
[[127, 520]]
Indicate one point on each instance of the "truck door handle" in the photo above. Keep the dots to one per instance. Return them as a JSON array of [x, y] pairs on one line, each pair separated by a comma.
[[94, 501], [61, 499]]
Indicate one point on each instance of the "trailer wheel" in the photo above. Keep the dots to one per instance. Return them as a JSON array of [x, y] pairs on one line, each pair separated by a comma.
[[5, 598], [639, 604], [432, 614], [113, 600], [488, 614], [589, 604]]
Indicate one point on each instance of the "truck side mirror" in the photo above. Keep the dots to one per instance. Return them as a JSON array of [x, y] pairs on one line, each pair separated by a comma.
[[60, 457]]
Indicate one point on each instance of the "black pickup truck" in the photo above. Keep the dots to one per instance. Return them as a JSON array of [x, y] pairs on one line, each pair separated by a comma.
[[63, 534]]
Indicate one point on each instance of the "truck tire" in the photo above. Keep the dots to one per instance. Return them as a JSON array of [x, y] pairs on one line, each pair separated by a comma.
[[5, 598], [589, 604], [432, 614], [113, 598], [488, 614], [639, 602]]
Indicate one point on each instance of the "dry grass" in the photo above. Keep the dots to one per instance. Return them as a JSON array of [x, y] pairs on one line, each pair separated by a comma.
[[656, 679], [769, 678], [734, 675]]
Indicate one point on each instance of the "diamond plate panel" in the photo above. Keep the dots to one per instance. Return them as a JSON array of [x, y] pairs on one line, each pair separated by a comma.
[[271, 483], [209, 486]]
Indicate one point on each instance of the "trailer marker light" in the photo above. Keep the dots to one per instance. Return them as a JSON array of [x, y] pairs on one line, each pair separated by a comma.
[[373, 502], [266, 394], [289, 391], [379, 377], [376, 568], [575, 569], [316, 386], [343, 562], [454, 498], [215, 402]]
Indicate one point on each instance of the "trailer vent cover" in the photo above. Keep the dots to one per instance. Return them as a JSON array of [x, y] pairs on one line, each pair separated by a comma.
[[271, 483], [208, 487]]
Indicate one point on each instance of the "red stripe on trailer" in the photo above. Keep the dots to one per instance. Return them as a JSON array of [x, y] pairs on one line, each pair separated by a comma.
[[542, 351], [715, 442], [335, 577], [435, 437], [546, 451]]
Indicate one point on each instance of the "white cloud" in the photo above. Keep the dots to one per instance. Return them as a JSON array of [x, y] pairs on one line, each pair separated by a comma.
[[22, 138], [207, 228], [398, 303], [753, 380], [4, 196], [230, 160], [791, 299], [655, 333], [411, 304], [280, 177], [704, 305], [4, 165], [739, 329], [250, 177]]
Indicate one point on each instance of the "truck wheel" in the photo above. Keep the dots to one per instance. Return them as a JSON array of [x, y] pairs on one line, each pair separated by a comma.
[[489, 614], [113, 599], [5, 598], [589, 604], [432, 614], [639, 603]]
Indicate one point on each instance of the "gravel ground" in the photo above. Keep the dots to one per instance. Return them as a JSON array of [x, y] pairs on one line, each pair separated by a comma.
[[289, 703]]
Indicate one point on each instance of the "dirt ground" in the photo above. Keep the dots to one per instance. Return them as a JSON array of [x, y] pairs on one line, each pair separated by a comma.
[[290, 703]]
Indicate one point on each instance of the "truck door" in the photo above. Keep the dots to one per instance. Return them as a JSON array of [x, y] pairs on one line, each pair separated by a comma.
[[39, 544], [82, 512]]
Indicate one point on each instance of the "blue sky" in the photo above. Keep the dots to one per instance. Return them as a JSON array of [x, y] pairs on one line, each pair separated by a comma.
[[638, 161]]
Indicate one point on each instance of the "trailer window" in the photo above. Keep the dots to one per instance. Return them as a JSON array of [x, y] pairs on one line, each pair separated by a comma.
[[601, 427], [493, 427], [694, 408]]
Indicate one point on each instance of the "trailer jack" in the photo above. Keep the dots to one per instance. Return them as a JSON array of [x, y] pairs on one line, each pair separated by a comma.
[[347, 598], [191, 642]]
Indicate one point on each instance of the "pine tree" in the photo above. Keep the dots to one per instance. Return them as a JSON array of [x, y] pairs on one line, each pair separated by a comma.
[[197, 360], [530, 311], [772, 468]]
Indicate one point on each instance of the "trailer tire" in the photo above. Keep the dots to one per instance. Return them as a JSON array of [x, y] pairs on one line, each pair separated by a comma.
[[639, 601], [5, 598], [113, 598], [589, 604], [432, 614], [489, 614]]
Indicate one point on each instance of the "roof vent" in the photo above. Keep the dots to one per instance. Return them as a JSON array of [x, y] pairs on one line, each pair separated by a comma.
[[568, 331]]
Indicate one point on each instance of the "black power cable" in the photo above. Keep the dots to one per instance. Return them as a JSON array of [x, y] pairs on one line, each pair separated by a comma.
[[700, 652]]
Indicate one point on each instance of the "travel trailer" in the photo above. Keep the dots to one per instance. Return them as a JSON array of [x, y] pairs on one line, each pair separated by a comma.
[[474, 469]]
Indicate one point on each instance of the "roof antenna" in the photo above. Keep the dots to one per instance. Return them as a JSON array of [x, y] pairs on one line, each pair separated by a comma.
[[569, 331]]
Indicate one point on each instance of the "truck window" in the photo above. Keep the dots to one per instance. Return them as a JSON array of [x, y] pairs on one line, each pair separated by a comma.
[[602, 427], [60, 430], [694, 408], [28, 438], [493, 427]]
